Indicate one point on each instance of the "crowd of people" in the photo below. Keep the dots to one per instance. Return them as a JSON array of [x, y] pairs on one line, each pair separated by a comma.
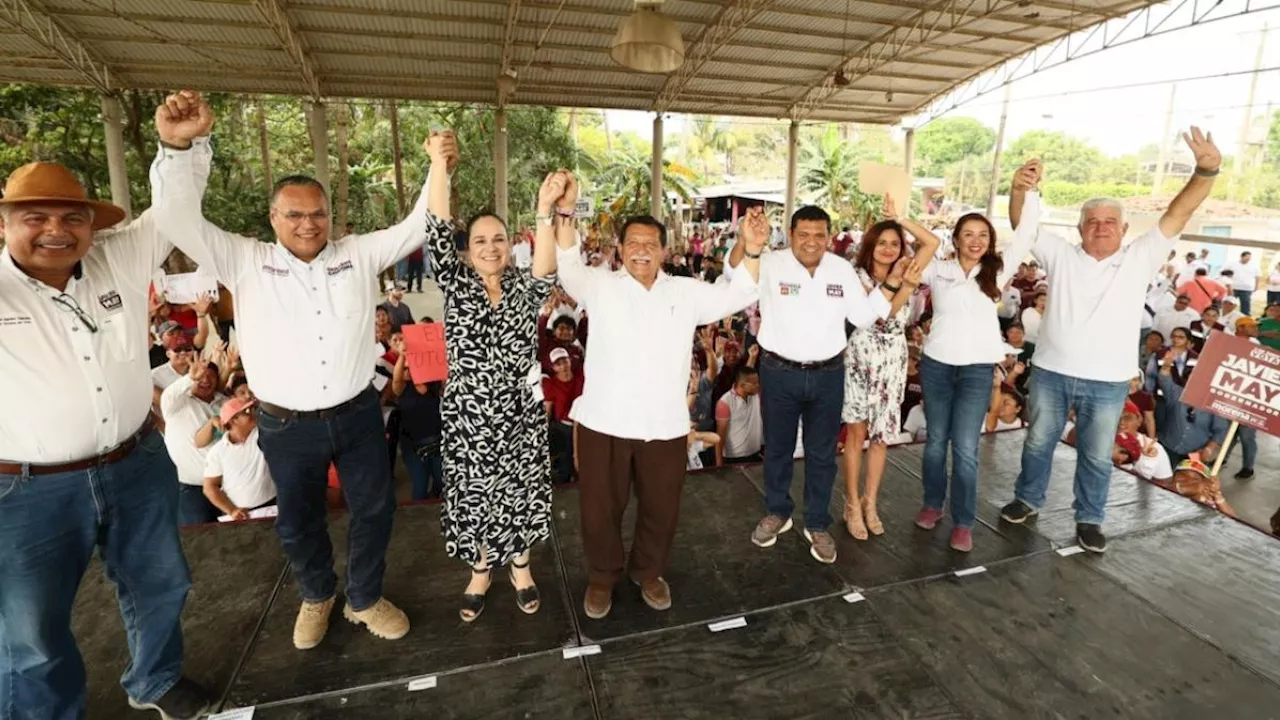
[[621, 372]]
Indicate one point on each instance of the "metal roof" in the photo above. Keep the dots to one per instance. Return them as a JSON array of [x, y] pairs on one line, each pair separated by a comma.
[[771, 58]]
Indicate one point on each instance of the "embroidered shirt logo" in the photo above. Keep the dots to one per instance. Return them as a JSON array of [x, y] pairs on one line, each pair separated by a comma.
[[110, 300], [341, 267], [788, 288], [835, 291], [277, 272]]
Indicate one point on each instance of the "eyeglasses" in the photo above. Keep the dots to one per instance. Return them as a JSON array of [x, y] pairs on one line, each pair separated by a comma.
[[68, 303], [296, 218]]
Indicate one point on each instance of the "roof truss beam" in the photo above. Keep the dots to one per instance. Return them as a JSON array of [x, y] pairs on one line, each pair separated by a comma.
[[731, 18], [273, 11], [32, 20]]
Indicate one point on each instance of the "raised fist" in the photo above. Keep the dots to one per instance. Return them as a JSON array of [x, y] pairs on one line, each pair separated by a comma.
[[1027, 177], [183, 117]]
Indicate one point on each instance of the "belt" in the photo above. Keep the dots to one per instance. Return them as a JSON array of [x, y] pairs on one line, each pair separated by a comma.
[[284, 413], [831, 362], [113, 455]]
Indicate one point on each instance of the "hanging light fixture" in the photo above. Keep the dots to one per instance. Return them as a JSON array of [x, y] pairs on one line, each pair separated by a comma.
[[648, 42]]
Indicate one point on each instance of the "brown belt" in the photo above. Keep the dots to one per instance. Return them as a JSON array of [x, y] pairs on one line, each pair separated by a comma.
[[114, 455]]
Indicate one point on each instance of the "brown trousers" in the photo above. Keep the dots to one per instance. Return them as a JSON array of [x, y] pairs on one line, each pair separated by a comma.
[[606, 466]]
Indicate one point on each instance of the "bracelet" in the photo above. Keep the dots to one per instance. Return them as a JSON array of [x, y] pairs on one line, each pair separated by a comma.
[[1207, 173], [755, 256], [565, 213], [891, 288], [546, 219]]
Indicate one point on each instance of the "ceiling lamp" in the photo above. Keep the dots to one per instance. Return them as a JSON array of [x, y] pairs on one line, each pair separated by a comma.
[[648, 42]]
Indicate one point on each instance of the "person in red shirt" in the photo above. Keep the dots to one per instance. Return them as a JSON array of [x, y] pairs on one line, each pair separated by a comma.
[[559, 391], [417, 268], [1202, 291]]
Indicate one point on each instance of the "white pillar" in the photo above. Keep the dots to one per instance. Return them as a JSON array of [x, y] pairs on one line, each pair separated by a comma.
[[909, 152], [318, 127], [113, 127], [655, 170], [793, 142], [500, 197]]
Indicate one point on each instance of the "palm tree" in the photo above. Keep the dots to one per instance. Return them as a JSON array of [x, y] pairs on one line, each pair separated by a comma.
[[625, 177], [829, 169]]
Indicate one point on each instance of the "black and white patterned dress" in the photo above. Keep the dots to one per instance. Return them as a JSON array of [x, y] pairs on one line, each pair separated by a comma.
[[875, 367], [497, 474]]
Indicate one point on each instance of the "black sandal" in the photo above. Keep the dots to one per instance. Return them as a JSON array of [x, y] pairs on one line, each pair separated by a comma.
[[527, 599], [473, 603]]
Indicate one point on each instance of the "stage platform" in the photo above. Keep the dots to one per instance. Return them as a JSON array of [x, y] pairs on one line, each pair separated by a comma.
[[1180, 619]]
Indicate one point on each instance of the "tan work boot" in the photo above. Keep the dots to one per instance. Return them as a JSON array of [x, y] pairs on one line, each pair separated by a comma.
[[382, 619], [312, 624]]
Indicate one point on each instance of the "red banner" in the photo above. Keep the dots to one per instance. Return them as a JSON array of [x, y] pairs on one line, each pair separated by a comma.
[[425, 353], [1238, 380]]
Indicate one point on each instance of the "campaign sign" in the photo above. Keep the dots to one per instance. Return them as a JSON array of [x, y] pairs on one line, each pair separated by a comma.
[[1239, 380], [424, 346]]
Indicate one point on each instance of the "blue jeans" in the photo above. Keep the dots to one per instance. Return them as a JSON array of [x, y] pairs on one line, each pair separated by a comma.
[[193, 507], [298, 453], [426, 478], [1247, 439], [1098, 406], [1246, 300], [789, 395], [955, 406], [49, 528]]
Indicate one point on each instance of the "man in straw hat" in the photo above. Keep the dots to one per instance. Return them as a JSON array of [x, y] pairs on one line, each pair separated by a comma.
[[307, 296], [81, 467]]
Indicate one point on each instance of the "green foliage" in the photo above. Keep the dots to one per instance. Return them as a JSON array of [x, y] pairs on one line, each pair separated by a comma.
[[1066, 158], [828, 168], [1062, 193], [948, 140]]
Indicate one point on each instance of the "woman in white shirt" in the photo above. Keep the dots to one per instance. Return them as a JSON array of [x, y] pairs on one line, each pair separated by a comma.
[[1032, 316], [1273, 285], [959, 360]]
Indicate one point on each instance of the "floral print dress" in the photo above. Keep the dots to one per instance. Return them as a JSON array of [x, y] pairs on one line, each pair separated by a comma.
[[497, 472], [875, 373]]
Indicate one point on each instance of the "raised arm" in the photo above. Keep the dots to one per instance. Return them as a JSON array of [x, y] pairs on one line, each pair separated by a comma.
[[1024, 235], [1184, 205], [439, 231], [557, 200], [385, 248]]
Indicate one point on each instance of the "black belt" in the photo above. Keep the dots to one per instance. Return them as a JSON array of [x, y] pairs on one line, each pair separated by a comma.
[[114, 455], [284, 413], [831, 362]]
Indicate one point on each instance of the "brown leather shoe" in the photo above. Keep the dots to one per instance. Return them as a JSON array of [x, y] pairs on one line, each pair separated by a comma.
[[598, 601], [656, 594]]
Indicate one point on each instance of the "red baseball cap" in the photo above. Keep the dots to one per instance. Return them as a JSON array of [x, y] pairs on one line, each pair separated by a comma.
[[1130, 444], [234, 407]]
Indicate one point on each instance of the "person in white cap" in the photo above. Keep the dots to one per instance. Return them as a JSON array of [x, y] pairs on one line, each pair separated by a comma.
[[1230, 313], [82, 469]]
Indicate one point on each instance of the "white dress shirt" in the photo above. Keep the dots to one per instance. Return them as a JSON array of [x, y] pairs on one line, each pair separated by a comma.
[[164, 375], [1246, 276], [802, 316], [184, 414], [637, 368], [305, 330], [1273, 280], [69, 393], [1092, 324], [1169, 319], [965, 328], [246, 481]]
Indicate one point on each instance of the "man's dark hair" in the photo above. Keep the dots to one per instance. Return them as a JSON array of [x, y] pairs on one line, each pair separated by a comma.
[[744, 371], [1013, 325], [1246, 252], [1191, 256], [1201, 271], [1229, 273], [644, 221], [810, 212], [480, 216], [297, 181], [925, 317], [1158, 334], [564, 320]]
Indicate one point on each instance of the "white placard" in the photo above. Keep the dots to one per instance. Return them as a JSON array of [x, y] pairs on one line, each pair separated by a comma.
[[1069, 551], [184, 288], [854, 597], [237, 714], [971, 571], [266, 512], [581, 651], [422, 683], [584, 208], [731, 623]]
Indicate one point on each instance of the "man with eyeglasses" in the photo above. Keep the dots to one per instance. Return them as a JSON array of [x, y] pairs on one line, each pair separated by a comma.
[[304, 310], [81, 467]]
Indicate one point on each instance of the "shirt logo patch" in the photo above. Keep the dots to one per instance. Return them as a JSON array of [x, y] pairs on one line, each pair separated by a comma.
[[835, 291], [11, 320], [338, 269], [277, 272], [110, 300], [788, 289]]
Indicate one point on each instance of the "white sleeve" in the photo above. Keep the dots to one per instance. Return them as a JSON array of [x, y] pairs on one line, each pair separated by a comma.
[[861, 308], [577, 279], [213, 461], [383, 248], [1025, 239], [714, 302], [172, 397]]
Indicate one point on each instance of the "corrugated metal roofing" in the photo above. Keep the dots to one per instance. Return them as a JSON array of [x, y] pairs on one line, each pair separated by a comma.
[[451, 50]]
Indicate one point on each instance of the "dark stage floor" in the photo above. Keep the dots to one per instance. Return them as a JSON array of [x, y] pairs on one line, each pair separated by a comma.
[[1178, 620]]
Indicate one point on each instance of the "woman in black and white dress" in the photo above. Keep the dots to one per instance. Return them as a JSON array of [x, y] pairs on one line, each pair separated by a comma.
[[497, 496]]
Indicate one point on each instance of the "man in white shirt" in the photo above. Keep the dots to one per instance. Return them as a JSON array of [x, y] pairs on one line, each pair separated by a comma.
[[1181, 315], [1086, 353], [189, 407], [304, 309], [236, 477], [82, 470], [1245, 274], [806, 296], [633, 416], [738, 420]]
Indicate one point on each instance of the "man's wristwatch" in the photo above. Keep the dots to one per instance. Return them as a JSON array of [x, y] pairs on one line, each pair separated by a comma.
[[546, 219]]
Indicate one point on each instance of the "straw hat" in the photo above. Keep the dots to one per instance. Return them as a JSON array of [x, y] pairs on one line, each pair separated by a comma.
[[39, 182]]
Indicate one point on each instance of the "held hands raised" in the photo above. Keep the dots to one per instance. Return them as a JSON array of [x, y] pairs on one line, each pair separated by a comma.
[[442, 147], [559, 191], [754, 230], [1028, 176], [183, 117]]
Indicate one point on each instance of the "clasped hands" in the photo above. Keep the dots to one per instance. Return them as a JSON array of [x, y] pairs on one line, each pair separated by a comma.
[[559, 193]]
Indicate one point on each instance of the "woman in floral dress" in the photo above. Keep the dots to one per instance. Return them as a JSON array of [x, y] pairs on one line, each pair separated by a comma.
[[497, 496], [876, 366]]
